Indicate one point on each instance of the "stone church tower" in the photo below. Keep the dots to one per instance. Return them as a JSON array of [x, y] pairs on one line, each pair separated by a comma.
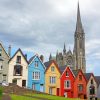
[[75, 60], [79, 44]]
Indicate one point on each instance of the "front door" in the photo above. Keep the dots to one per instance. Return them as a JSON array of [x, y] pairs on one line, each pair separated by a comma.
[[33, 86], [57, 91], [41, 88], [23, 83], [50, 90]]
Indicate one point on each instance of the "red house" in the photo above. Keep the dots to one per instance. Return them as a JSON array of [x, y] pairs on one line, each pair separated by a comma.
[[66, 82], [79, 85]]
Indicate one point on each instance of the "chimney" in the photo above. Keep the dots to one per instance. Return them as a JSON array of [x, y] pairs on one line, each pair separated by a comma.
[[9, 50], [26, 56], [42, 58]]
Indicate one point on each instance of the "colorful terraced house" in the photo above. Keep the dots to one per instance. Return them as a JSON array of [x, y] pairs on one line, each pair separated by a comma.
[[52, 78], [79, 85], [66, 82], [36, 74]]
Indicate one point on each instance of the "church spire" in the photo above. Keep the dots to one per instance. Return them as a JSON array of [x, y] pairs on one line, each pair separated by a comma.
[[64, 50], [50, 57], [79, 28]]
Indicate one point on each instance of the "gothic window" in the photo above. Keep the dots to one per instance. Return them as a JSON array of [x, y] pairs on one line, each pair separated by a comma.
[[18, 70], [69, 60], [80, 43]]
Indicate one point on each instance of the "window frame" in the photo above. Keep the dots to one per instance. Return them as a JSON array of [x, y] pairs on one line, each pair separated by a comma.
[[66, 84], [36, 75]]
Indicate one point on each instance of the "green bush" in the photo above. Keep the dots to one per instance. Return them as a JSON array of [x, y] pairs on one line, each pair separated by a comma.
[[1, 91]]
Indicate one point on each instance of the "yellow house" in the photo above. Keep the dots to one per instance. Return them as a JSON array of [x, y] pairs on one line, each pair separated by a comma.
[[52, 78]]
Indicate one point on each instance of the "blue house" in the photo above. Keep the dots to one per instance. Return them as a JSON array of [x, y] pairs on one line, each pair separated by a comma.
[[36, 74]]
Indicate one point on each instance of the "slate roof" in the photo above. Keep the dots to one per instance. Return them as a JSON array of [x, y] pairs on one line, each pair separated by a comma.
[[16, 53], [87, 76], [47, 63], [62, 68], [31, 59], [97, 80], [75, 72]]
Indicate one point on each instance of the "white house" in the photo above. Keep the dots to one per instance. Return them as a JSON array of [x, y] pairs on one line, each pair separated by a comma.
[[18, 69], [91, 86]]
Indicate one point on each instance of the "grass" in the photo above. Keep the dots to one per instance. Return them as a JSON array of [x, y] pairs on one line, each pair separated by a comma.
[[17, 97], [0, 97], [51, 97]]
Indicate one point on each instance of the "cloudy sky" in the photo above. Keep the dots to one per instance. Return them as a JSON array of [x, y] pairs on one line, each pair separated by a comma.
[[42, 26]]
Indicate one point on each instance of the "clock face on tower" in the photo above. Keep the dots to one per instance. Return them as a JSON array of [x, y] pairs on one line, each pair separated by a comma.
[[79, 36]]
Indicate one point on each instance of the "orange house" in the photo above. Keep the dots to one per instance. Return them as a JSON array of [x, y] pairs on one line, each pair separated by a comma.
[[79, 85]]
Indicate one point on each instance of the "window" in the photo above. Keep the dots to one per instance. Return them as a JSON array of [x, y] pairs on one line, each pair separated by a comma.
[[52, 80], [36, 63], [92, 90], [92, 81], [52, 69], [67, 84], [18, 59], [80, 77], [4, 77], [80, 87], [36, 75], [0, 52], [67, 74], [18, 70], [14, 81], [1, 67]]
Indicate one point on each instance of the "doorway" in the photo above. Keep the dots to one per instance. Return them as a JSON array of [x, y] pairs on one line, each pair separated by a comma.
[[23, 83]]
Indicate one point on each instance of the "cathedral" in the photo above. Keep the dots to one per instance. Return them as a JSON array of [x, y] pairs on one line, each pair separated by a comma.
[[76, 59]]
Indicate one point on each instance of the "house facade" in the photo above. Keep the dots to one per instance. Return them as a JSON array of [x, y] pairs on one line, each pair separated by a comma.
[[4, 58], [18, 69], [36, 74], [98, 85], [91, 86], [66, 82], [52, 78], [79, 85]]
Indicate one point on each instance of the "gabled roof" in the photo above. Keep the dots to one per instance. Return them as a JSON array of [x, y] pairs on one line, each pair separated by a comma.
[[19, 50], [75, 72], [97, 80], [32, 59], [4, 49], [62, 68], [48, 64], [87, 76]]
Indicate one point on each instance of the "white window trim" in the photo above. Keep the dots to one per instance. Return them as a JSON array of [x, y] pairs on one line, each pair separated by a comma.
[[66, 84], [35, 75], [51, 79]]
